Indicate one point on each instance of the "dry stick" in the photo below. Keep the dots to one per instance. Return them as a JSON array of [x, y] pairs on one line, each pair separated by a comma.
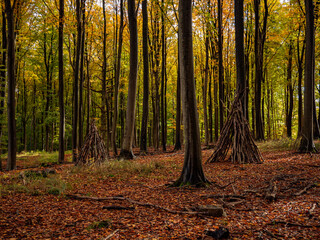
[[290, 224], [111, 235], [311, 185], [271, 234], [79, 197]]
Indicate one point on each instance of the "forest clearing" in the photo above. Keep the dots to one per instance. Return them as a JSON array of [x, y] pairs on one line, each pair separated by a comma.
[[37, 207]]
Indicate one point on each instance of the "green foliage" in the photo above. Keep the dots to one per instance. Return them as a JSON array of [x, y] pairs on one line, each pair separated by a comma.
[[100, 224], [33, 184], [120, 169]]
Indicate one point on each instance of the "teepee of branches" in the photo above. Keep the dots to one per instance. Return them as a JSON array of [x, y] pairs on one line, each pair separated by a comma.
[[93, 149], [237, 136]]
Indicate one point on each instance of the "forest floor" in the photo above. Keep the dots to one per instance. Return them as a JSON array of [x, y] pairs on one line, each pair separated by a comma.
[[279, 199]]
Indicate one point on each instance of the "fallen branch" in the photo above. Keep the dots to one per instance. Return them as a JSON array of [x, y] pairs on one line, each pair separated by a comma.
[[122, 198], [290, 224], [311, 185], [223, 196], [273, 235]]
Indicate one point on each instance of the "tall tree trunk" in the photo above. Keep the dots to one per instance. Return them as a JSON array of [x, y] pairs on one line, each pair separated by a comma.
[[11, 65], [81, 77], [192, 172], [163, 75], [221, 70], [126, 150], [300, 57], [117, 83], [307, 144], [104, 77], [260, 36], [75, 120], [290, 93], [144, 123], [205, 88], [177, 145], [241, 83], [61, 84], [3, 76]]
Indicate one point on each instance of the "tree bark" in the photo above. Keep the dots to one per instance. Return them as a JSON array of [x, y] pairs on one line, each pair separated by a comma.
[[221, 70], [241, 83], [61, 84], [260, 36], [144, 123], [75, 120], [126, 150], [300, 75], [192, 172], [11, 66], [3, 76], [290, 93], [307, 144], [163, 75]]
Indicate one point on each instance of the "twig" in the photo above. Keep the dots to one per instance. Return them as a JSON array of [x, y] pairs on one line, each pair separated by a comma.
[[290, 224], [111, 235], [311, 185], [271, 234], [122, 198], [223, 196]]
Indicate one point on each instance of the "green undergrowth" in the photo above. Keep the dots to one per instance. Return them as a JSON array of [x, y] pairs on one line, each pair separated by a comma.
[[122, 169], [100, 224], [33, 183], [284, 144]]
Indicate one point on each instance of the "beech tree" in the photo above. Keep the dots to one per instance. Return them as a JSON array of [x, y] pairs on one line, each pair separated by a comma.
[[11, 76], [192, 172], [61, 83], [126, 149], [306, 143], [144, 123]]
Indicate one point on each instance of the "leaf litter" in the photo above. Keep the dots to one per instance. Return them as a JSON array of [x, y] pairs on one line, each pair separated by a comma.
[[242, 189]]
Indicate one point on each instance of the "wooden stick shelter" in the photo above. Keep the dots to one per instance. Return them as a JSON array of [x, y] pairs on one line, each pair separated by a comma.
[[236, 135], [93, 149]]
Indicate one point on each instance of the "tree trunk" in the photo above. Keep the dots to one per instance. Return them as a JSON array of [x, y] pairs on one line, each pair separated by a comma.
[[192, 173], [221, 70], [144, 123], [75, 120], [3, 76], [241, 83], [300, 75], [117, 84], [177, 145], [61, 84], [126, 150], [11, 65], [81, 77], [307, 144], [163, 75], [260, 36], [205, 89], [290, 93]]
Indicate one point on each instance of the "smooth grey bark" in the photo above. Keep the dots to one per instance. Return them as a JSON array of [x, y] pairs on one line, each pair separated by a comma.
[[126, 150], [192, 172], [117, 83]]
